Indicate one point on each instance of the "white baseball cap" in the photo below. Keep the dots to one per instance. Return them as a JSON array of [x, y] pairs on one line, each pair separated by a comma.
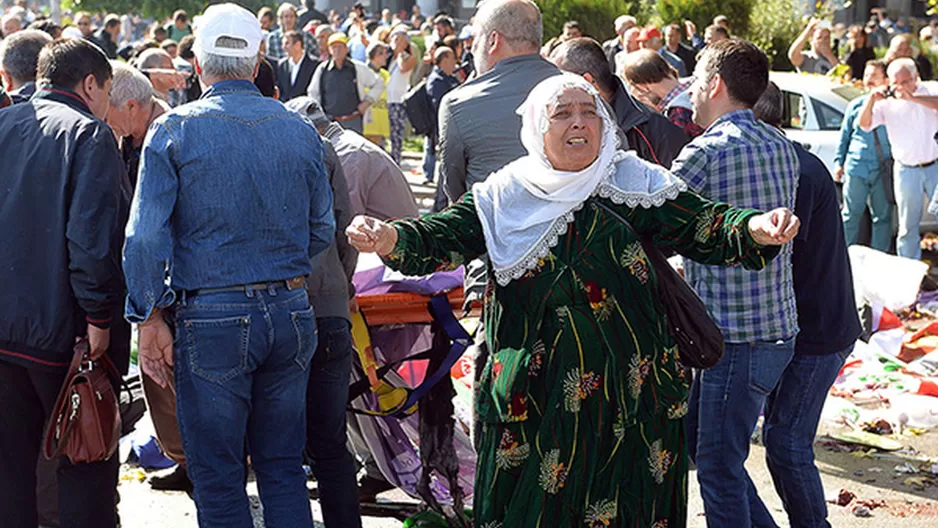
[[228, 30]]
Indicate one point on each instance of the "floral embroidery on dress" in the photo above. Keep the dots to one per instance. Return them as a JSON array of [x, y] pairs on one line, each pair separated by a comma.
[[510, 453], [601, 514], [707, 224], [618, 428], [639, 368], [563, 313], [600, 301], [497, 367], [518, 408], [541, 264], [538, 351], [577, 388], [659, 461], [677, 411], [634, 258], [553, 472]]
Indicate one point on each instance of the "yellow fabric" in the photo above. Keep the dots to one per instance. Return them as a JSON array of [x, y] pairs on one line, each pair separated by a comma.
[[377, 122], [390, 398]]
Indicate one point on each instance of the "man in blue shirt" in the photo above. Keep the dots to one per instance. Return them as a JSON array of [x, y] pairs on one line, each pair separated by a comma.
[[859, 166], [226, 219], [829, 328], [744, 162]]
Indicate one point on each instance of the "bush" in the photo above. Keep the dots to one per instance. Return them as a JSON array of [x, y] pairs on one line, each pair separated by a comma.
[[596, 17], [773, 27], [701, 13]]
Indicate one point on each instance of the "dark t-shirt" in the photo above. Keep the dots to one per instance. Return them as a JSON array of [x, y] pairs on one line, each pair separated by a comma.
[[823, 281]]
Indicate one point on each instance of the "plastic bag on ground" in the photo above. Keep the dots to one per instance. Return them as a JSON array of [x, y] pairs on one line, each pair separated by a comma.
[[879, 278]]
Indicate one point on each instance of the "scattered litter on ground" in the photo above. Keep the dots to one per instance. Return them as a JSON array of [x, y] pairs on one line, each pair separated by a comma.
[[906, 469], [860, 510]]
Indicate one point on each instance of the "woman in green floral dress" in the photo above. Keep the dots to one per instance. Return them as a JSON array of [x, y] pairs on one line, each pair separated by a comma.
[[582, 398]]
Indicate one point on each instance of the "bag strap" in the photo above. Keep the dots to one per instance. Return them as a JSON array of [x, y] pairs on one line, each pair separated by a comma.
[[879, 146], [442, 313]]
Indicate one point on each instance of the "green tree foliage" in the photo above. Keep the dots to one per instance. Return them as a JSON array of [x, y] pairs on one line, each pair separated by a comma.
[[596, 17], [773, 27], [701, 12], [154, 8]]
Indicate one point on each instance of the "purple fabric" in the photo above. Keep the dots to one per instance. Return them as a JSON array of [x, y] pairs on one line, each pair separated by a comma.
[[371, 282]]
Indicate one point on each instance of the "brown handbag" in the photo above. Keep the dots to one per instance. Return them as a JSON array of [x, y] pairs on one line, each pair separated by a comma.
[[85, 423]]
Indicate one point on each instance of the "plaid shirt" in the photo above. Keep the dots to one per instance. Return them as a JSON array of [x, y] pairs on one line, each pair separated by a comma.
[[746, 163]]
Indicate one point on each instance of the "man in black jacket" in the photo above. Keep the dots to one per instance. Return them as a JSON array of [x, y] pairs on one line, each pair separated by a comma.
[[295, 71], [107, 37], [649, 133], [61, 275]]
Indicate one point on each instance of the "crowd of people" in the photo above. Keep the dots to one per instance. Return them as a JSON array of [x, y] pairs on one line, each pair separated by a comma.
[[213, 181]]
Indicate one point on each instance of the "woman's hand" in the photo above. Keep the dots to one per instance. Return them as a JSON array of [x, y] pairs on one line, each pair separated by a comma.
[[777, 227], [370, 235]]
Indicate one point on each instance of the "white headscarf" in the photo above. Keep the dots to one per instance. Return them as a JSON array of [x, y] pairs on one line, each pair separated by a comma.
[[526, 206]]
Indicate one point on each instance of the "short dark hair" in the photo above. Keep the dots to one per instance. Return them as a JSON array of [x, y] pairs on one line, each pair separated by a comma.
[[111, 21], [181, 15], [647, 67], [743, 67], [159, 29], [294, 36], [68, 62], [47, 25], [713, 28], [584, 55], [184, 51], [769, 106], [19, 53], [571, 24], [451, 41], [878, 63]]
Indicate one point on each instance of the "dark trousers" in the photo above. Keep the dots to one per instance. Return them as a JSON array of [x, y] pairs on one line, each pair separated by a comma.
[[86, 491], [327, 400]]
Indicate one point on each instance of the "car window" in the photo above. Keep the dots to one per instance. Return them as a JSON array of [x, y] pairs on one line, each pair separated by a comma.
[[795, 113], [828, 118]]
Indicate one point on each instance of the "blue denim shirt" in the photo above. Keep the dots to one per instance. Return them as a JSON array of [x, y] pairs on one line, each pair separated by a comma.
[[856, 152], [232, 190]]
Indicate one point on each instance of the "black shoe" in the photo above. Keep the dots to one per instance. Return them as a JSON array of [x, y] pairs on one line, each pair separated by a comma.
[[178, 480]]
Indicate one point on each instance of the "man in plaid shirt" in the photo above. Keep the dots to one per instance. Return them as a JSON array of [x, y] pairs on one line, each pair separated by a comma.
[[744, 162]]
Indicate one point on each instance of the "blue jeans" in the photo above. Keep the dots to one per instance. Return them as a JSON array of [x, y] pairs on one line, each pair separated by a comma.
[[911, 186], [326, 445], [856, 192], [792, 413], [429, 159], [241, 369], [724, 407]]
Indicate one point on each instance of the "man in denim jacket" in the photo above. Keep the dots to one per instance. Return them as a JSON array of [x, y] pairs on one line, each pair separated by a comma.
[[233, 217]]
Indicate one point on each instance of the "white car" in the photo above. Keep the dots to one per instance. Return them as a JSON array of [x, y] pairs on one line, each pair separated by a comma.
[[813, 109]]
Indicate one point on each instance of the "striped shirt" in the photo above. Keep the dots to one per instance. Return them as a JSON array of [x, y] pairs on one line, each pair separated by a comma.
[[746, 163]]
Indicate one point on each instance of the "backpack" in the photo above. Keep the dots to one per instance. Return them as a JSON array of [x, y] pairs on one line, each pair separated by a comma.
[[419, 110]]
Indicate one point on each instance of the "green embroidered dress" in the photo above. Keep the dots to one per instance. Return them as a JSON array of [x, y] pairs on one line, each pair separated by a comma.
[[582, 398]]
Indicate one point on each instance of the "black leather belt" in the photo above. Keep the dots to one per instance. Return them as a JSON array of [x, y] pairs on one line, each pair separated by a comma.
[[290, 284], [921, 165]]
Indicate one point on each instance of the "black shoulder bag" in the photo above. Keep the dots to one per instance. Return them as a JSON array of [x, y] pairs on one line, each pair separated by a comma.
[[699, 340], [885, 171]]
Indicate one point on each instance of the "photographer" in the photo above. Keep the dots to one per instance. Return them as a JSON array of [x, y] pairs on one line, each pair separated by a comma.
[[911, 119]]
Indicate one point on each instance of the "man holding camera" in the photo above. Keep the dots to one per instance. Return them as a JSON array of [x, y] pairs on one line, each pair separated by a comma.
[[910, 115]]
